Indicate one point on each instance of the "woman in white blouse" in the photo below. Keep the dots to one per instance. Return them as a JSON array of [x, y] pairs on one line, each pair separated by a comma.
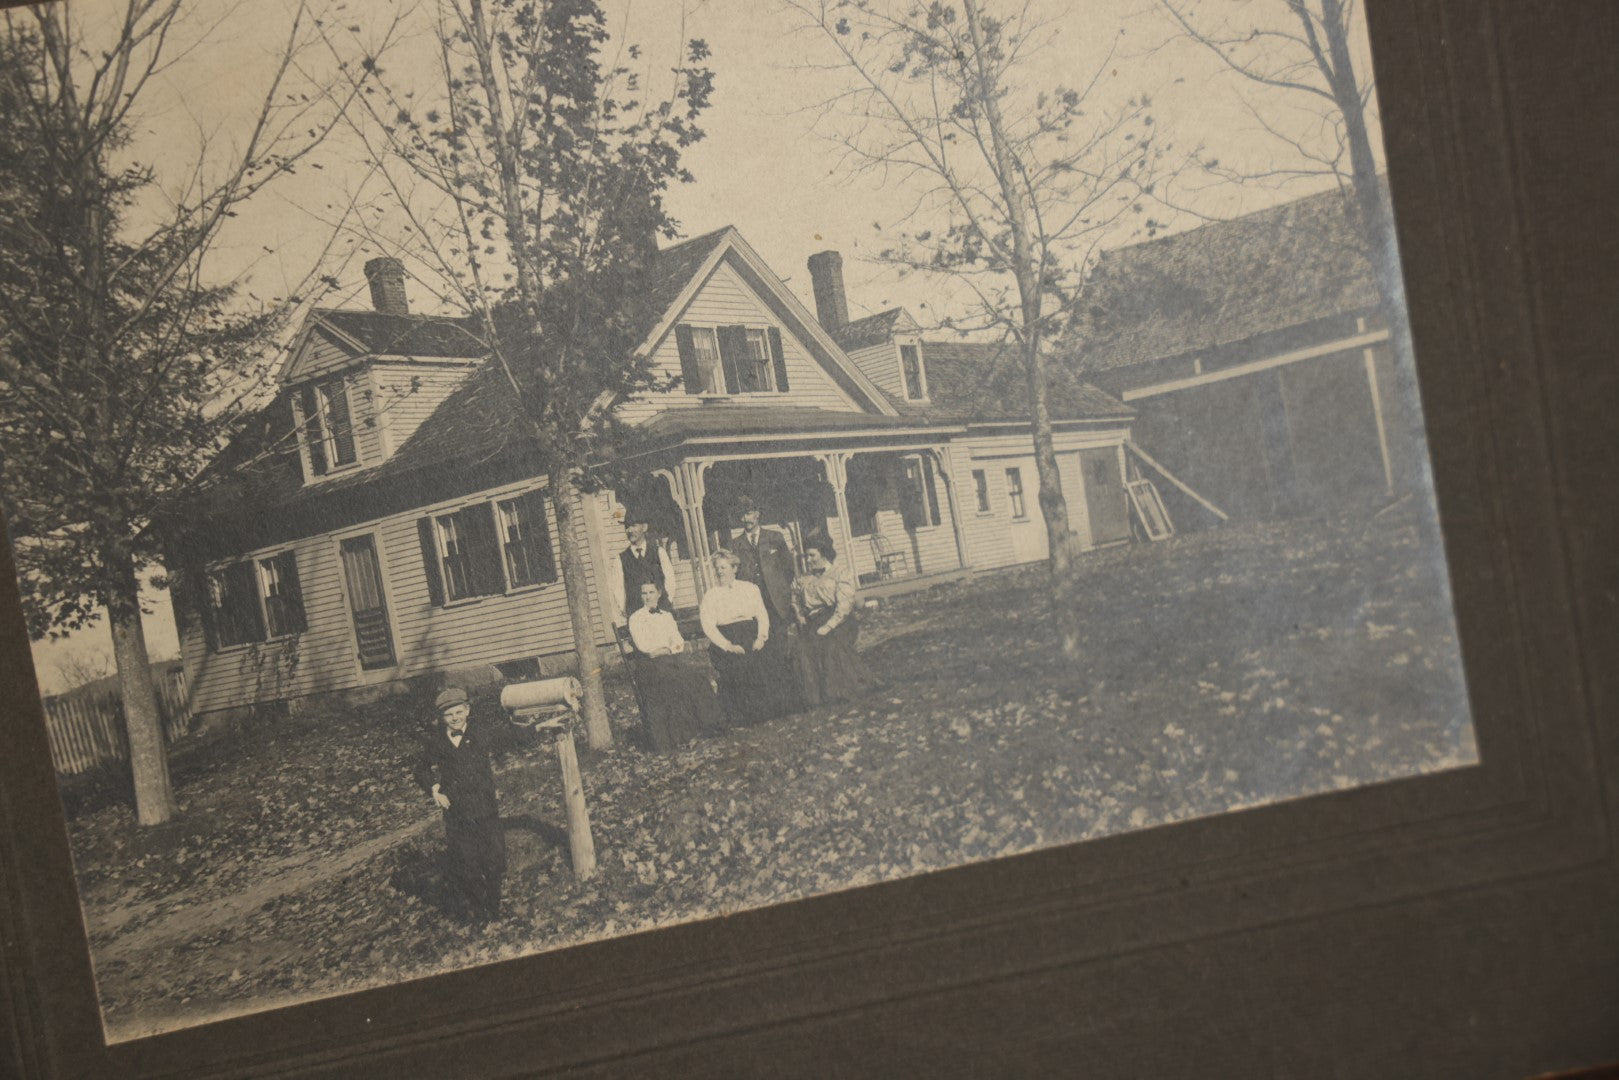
[[677, 700], [737, 626], [824, 602]]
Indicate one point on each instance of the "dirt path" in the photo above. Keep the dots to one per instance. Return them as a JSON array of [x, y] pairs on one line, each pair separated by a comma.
[[124, 932]]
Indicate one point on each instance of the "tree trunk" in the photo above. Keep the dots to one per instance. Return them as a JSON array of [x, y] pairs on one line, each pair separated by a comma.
[[1376, 217], [581, 617], [1031, 297], [148, 756]]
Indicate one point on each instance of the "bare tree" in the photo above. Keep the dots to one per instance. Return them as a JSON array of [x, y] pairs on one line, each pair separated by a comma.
[[124, 357], [1018, 186], [77, 669], [1297, 58], [530, 184]]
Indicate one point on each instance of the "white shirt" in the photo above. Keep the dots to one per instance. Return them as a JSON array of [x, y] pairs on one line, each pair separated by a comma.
[[655, 633], [732, 603], [615, 580]]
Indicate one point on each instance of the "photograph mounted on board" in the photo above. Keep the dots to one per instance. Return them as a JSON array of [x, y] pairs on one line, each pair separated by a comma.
[[502, 474]]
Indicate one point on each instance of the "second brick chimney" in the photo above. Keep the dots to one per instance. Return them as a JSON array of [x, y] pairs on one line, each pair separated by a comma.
[[387, 278], [826, 276]]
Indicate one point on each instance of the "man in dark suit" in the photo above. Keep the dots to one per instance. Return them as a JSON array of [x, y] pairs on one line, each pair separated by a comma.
[[454, 767], [765, 558]]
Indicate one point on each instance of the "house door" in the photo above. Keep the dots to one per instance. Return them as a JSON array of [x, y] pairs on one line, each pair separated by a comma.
[[363, 576], [1104, 495]]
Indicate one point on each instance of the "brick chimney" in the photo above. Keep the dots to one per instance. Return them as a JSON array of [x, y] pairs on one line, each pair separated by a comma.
[[826, 274], [387, 278]]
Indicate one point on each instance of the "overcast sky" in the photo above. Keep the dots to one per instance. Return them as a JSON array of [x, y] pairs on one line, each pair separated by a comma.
[[762, 167]]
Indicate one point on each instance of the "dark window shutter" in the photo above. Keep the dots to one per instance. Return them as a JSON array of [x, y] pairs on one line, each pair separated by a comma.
[[933, 490], [194, 599], [292, 592], [543, 559], [691, 376], [317, 447], [779, 359], [241, 609], [733, 354], [484, 553], [342, 426], [435, 577]]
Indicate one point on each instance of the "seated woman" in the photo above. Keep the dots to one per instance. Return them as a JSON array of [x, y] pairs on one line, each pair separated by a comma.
[[825, 602], [678, 700], [737, 626]]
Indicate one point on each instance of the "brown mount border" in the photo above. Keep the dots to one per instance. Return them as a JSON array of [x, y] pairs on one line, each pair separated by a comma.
[[1209, 941]]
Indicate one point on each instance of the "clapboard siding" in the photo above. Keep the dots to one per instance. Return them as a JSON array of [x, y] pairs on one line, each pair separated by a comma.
[[407, 394], [880, 364], [320, 355], [527, 623], [726, 300]]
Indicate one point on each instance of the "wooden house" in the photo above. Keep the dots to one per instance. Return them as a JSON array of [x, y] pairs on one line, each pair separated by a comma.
[[383, 518], [1254, 355]]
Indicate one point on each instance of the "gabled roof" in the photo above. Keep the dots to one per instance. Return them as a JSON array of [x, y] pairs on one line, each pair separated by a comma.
[[871, 330], [1222, 283], [426, 336], [972, 381]]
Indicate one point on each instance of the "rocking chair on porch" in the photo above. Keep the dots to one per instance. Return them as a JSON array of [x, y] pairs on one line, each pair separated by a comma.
[[890, 563]]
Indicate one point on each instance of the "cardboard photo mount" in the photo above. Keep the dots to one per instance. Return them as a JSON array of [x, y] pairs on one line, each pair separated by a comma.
[[1444, 925]]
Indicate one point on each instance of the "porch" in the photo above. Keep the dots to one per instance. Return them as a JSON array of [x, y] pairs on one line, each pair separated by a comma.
[[889, 506]]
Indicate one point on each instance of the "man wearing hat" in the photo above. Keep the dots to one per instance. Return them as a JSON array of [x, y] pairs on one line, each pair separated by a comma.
[[454, 768], [642, 561]]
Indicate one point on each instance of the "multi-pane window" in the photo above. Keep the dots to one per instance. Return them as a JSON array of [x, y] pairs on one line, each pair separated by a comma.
[[1014, 493], [328, 425], [910, 360], [920, 503], [487, 549], [254, 600], [706, 345], [526, 539], [755, 371], [981, 490], [731, 359]]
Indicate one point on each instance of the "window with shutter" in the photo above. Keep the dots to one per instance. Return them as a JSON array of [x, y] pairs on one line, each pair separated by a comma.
[[314, 440], [470, 558], [338, 427], [700, 368], [981, 490], [233, 605], [526, 539], [919, 503], [281, 595], [757, 372]]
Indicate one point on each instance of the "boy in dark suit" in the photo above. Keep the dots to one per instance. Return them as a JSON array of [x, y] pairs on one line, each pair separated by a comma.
[[454, 767]]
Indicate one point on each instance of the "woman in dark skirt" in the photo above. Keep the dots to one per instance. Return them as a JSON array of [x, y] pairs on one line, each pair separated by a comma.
[[677, 699], [737, 626], [825, 599]]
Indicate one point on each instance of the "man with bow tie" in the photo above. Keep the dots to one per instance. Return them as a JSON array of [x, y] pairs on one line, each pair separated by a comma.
[[641, 562], [454, 767]]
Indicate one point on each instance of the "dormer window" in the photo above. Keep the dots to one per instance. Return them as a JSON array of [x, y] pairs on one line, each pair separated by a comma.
[[328, 425], [718, 360], [910, 362]]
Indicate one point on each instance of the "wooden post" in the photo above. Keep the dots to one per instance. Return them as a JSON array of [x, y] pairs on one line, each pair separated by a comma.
[[836, 465], [1370, 359], [945, 460], [581, 845]]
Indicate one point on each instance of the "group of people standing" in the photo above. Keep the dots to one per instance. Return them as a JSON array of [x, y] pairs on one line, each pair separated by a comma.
[[778, 640]]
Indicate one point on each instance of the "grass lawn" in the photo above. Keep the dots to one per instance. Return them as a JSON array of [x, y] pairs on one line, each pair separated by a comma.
[[1226, 669]]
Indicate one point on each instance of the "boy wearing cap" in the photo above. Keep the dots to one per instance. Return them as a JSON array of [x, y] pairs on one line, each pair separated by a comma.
[[454, 768]]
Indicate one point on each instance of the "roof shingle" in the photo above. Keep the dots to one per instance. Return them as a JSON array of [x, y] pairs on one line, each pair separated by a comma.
[[1222, 283]]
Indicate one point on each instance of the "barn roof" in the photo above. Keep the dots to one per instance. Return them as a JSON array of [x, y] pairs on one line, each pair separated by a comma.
[[1225, 282], [379, 333]]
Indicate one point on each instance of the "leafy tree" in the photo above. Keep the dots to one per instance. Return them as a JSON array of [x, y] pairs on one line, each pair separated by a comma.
[[122, 363], [531, 183], [1020, 183]]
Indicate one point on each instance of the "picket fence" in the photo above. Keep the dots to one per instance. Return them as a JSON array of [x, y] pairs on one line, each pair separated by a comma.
[[86, 730]]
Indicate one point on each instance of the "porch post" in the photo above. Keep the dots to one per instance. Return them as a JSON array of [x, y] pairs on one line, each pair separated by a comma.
[[692, 473], [836, 465], [1370, 360], [947, 468]]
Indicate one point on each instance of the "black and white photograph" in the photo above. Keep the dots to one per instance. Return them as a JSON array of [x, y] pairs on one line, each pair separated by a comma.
[[490, 476]]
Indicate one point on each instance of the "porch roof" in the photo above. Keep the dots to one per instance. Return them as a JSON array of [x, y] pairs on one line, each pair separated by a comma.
[[730, 421]]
